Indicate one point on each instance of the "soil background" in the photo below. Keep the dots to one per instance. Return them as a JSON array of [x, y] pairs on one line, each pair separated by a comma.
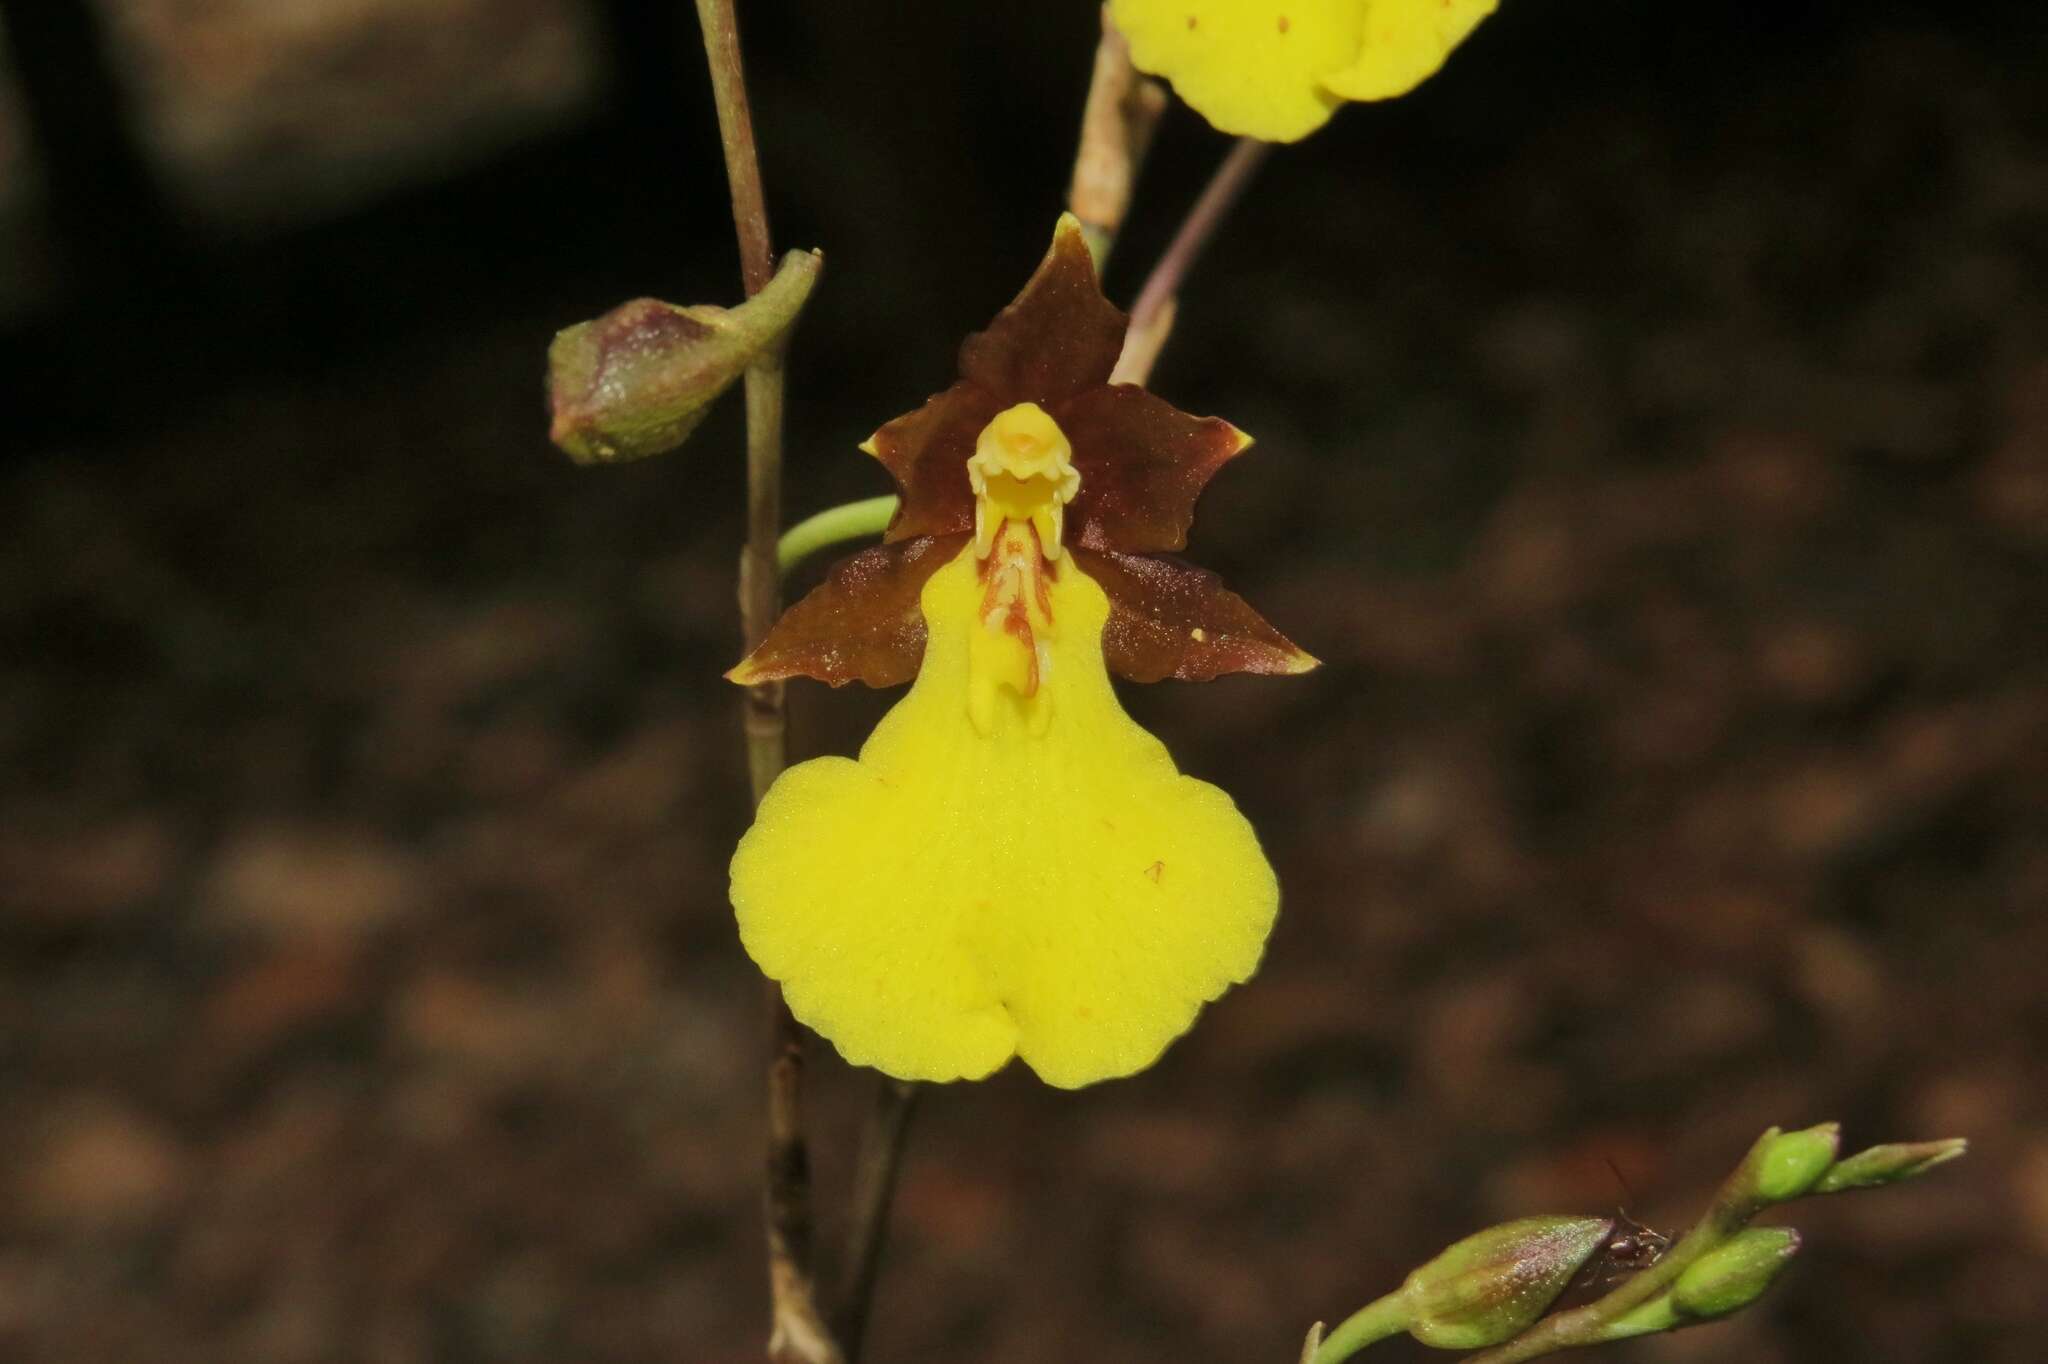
[[1653, 442]]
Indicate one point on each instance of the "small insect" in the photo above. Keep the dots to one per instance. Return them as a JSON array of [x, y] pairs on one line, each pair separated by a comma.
[[1631, 1247]]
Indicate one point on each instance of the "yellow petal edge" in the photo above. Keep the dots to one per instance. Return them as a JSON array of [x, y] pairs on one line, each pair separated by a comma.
[[1037, 880], [1277, 69], [1405, 43]]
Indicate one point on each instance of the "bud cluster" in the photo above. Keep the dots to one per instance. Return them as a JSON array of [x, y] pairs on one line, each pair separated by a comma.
[[1493, 1290]]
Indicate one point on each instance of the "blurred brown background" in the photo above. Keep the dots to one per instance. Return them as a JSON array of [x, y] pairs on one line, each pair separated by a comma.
[[1653, 419]]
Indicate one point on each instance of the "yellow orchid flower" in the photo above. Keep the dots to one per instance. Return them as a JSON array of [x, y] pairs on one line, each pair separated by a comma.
[[1013, 867], [1277, 69]]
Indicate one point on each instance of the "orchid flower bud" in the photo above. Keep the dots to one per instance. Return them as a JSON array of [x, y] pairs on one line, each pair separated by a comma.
[[1494, 1284], [1889, 1164], [1790, 1163], [1733, 1276], [638, 380]]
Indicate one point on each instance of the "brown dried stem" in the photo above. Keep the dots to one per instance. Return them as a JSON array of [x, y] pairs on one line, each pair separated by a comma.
[[798, 1334], [736, 134], [1117, 124]]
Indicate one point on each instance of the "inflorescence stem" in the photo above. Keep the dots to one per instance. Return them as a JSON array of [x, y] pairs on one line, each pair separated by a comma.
[[1117, 123], [1369, 1325], [798, 1334], [1152, 314]]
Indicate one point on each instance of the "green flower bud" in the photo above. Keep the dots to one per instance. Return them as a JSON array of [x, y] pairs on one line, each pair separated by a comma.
[[1734, 1275], [1495, 1283], [638, 380], [1790, 1163], [1889, 1164]]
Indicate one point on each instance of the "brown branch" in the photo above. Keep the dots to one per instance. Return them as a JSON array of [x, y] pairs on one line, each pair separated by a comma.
[[797, 1333], [1152, 314], [736, 133], [874, 1189], [1117, 124]]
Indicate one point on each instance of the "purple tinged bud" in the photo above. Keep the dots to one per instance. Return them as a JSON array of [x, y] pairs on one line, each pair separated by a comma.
[[1494, 1284], [637, 381]]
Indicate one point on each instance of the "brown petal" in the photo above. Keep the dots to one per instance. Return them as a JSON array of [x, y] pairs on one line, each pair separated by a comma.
[[1169, 619], [926, 452], [1143, 462], [860, 624], [1059, 336]]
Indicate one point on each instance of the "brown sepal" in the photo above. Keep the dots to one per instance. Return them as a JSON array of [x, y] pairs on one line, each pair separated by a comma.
[[926, 453], [1143, 462], [1059, 337], [1169, 619], [861, 624]]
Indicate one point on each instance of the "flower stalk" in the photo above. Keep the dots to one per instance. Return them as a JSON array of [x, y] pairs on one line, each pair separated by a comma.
[[1117, 124], [1152, 314], [874, 1190], [847, 521], [1369, 1325], [798, 1334]]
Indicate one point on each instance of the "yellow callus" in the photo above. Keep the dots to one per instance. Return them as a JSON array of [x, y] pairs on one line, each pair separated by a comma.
[[1012, 867], [1022, 469]]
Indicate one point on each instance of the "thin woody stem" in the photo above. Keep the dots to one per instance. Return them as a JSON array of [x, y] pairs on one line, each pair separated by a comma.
[[736, 134], [1152, 314], [1117, 124], [798, 1334], [874, 1189]]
